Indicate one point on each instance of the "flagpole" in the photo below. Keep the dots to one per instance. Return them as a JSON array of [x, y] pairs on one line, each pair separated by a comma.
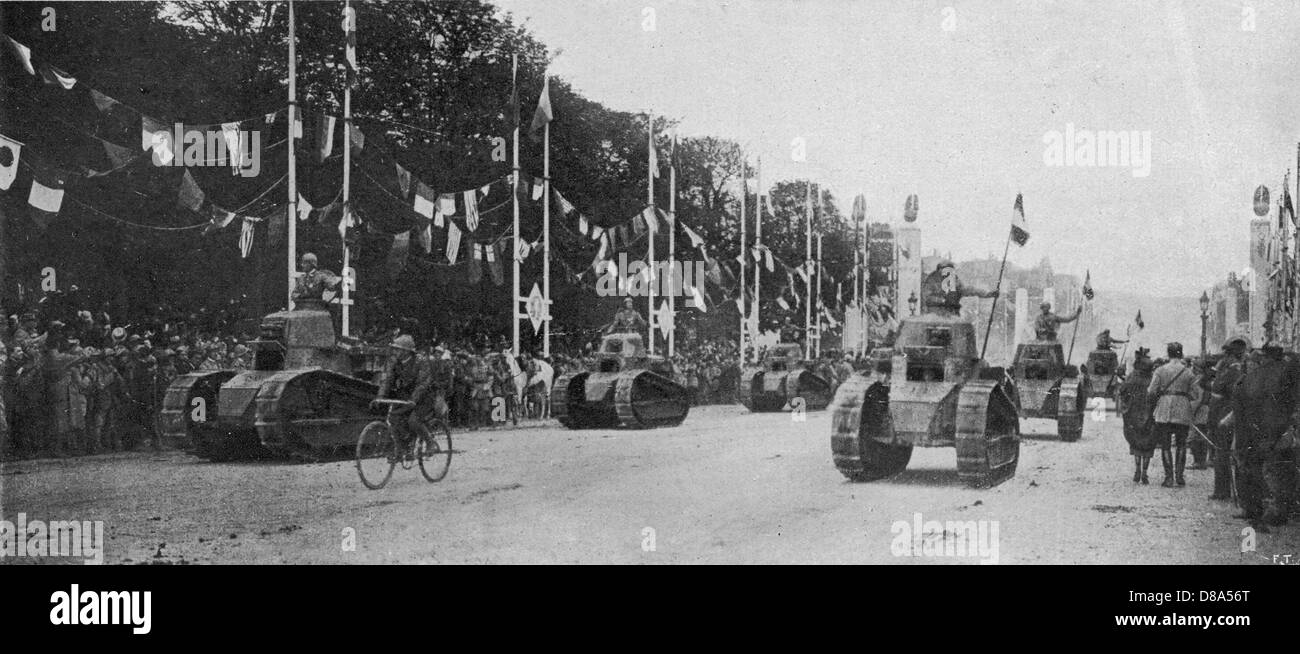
[[672, 248], [292, 216], [546, 237], [1074, 335], [514, 194], [744, 316], [993, 310], [346, 301], [758, 243], [820, 303], [807, 259], [650, 233]]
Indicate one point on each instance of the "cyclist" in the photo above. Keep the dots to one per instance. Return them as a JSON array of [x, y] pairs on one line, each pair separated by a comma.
[[409, 377]]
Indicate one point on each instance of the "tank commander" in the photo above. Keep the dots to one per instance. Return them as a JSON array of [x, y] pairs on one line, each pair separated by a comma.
[[1105, 341], [626, 320], [1045, 323], [943, 291], [313, 283]]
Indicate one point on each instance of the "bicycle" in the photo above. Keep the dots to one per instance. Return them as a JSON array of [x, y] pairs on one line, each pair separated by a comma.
[[378, 450]]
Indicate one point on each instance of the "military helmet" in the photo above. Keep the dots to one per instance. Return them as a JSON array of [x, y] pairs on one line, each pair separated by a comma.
[[1237, 339], [403, 342], [945, 263], [309, 257], [1044, 305], [1174, 350]]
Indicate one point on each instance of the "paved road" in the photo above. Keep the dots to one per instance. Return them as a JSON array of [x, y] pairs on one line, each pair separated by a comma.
[[725, 487]]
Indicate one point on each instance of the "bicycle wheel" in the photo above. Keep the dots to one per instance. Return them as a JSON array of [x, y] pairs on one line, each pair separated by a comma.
[[434, 451], [376, 454]]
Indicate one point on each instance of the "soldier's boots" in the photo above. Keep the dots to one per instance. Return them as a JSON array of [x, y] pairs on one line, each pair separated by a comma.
[[1137, 469], [1180, 464], [1167, 461], [1146, 463]]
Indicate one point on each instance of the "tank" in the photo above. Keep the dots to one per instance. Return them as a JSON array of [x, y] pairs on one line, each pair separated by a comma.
[[626, 388], [1103, 373], [781, 377], [307, 394], [930, 390], [1049, 388]]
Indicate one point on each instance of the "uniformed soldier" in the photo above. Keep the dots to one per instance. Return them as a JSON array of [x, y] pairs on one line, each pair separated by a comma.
[[1171, 391], [1226, 375], [1105, 341], [1046, 322], [313, 283], [942, 291], [407, 377], [628, 319], [1266, 412]]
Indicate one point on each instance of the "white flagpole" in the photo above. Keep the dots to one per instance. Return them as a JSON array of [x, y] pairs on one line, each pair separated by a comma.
[[807, 259], [650, 233], [346, 300], [744, 317], [293, 172], [546, 235], [673, 289], [820, 304], [758, 242], [514, 194]]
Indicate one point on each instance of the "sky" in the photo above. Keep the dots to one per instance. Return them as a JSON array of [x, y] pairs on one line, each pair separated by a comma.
[[958, 102]]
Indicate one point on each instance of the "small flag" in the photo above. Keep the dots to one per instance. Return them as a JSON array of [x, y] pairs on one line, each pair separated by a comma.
[[582, 225], [447, 204], [358, 139], [781, 302], [246, 237], [148, 128], [324, 136], [651, 221], [230, 133], [24, 53], [403, 180], [494, 264], [1087, 285], [1019, 232], [53, 75], [543, 116], [221, 217], [453, 242], [767, 258], [654, 157], [475, 268], [596, 232], [304, 208], [1138, 321], [424, 198], [190, 195], [105, 103], [537, 188], [346, 221], [1287, 207], [485, 189], [350, 52], [46, 198], [426, 238], [698, 296], [9, 150], [565, 206], [471, 209]]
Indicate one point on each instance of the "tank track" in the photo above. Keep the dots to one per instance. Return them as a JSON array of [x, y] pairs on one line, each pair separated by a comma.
[[626, 405], [988, 434], [815, 391], [861, 406]]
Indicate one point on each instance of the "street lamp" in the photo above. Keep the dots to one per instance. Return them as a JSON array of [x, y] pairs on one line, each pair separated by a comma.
[[911, 303], [1205, 316]]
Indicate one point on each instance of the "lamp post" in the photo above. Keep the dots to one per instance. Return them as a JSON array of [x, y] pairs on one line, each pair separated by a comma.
[[1205, 316], [911, 303]]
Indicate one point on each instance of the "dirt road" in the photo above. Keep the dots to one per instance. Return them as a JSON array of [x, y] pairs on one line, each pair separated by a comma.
[[725, 487]]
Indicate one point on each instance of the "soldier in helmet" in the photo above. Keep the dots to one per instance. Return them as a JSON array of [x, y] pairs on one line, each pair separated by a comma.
[[1266, 413], [407, 377], [1105, 341], [314, 282], [1171, 393], [942, 291], [628, 319], [1226, 375], [1046, 322]]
